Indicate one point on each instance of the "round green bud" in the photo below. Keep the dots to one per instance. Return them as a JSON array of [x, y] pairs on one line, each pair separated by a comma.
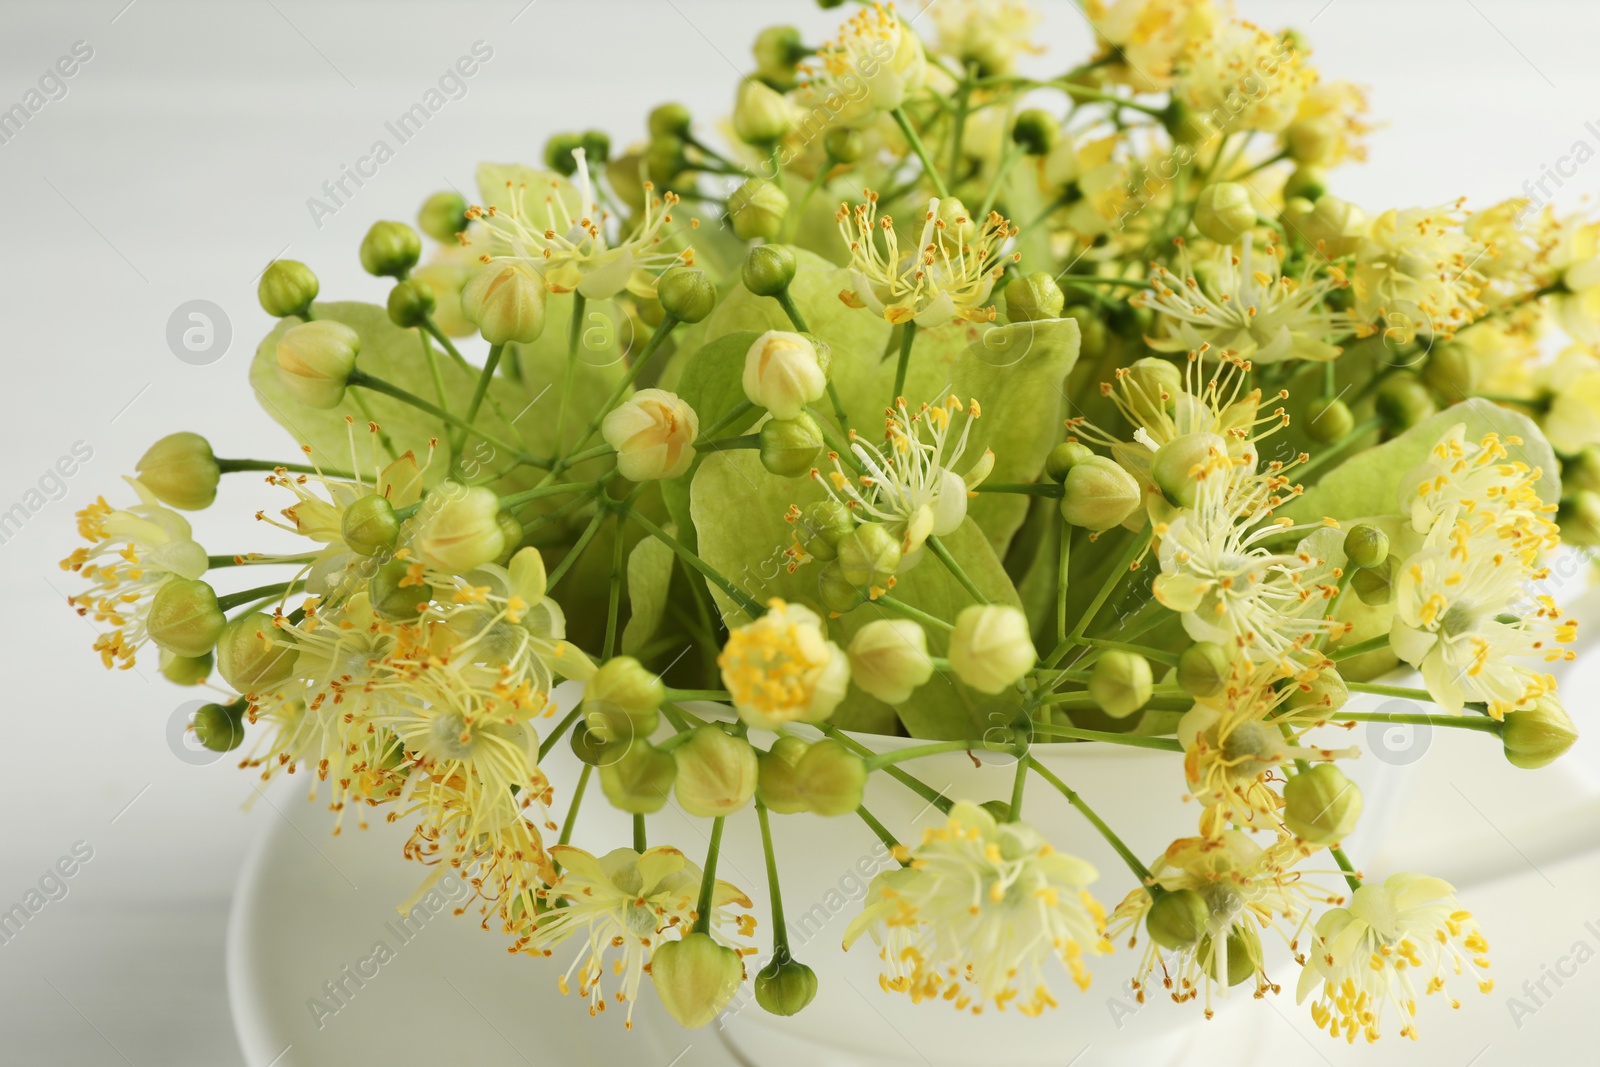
[[622, 174], [181, 471], [785, 986], [287, 287], [369, 525], [1092, 332], [1064, 457], [186, 670], [778, 51], [869, 555], [695, 978], [1307, 182], [395, 595], [1451, 372], [832, 779], [664, 158], [838, 594], [1310, 141], [1335, 227], [1159, 380], [820, 526], [1033, 297], [1329, 420], [1321, 806], [1324, 694], [687, 293], [443, 215], [184, 618], [959, 226], [777, 780], [768, 269], [1244, 954], [1203, 669], [991, 647], [1224, 212], [1375, 585], [1177, 919], [506, 301], [390, 249], [1365, 545], [789, 446], [1035, 130], [1402, 401], [511, 533], [596, 145], [1579, 517], [1539, 735], [1000, 810], [1097, 494], [640, 780], [1178, 464], [1120, 683], [716, 772], [761, 114], [587, 745], [410, 303], [624, 683], [668, 120], [315, 360], [757, 209], [219, 728], [844, 145], [250, 657], [558, 153]]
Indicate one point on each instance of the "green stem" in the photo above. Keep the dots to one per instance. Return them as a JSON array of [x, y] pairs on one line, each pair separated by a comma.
[[1018, 785], [574, 332], [937, 547], [230, 466], [786, 302], [698, 694], [780, 932], [1349, 869], [1136, 545], [1133, 862], [251, 559], [577, 799], [915, 142], [735, 413], [614, 599], [1061, 581], [916, 785], [884, 759], [1156, 654], [1390, 690], [1459, 722], [640, 843], [879, 829], [233, 600], [1000, 173], [378, 385], [571, 558], [512, 501], [1159, 744], [668, 322], [907, 335], [1371, 644], [913, 613], [729, 444], [434, 370], [791, 224], [485, 376], [1049, 489], [708, 881], [737, 595]]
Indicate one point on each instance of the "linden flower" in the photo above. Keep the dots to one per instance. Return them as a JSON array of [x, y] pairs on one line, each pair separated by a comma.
[[1478, 481], [1245, 308], [989, 33], [1393, 941], [871, 67], [946, 276], [132, 553], [1524, 240], [568, 248], [910, 485], [1577, 258], [1327, 127], [1572, 382], [1097, 171], [627, 901], [782, 668], [1145, 38], [1240, 63], [1417, 273], [977, 913]]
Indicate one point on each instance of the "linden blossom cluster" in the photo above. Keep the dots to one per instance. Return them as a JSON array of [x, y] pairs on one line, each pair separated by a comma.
[[1102, 410]]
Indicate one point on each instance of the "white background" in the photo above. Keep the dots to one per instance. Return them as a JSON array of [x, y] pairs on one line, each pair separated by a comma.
[[180, 162]]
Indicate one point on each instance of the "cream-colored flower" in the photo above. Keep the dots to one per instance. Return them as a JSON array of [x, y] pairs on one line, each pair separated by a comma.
[[889, 659], [1240, 77], [653, 432], [1144, 39], [1328, 127], [782, 373], [1416, 274], [870, 68], [991, 648], [1097, 170], [782, 668], [1572, 382], [990, 33]]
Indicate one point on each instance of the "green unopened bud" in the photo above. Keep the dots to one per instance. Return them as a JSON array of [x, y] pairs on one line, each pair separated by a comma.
[[1179, 464], [1097, 494], [664, 158], [1539, 735], [1306, 181], [624, 176], [186, 670], [640, 780], [395, 594], [716, 772], [1224, 212], [844, 144], [1120, 683], [668, 120], [596, 146], [1203, 669], [777, 781], [831, 778], [869, 555], [821, 525], [623, 683], [1159, 380], [505, 300], [458, 528], [990, 648], [778, 51], [785, 986], [443, 215], [218, 727], [1244, 954], [1375, 585], [369, 525], [1366, 545], [1178, 919], [761, 115], [999, 810], [1330, 420], [390, 249], [768, 269], [958, 224], [790, 446], [287, 287], [687, 293], [511, 532], [1035, 130], [1451, 372], [250, 655], [757, 209], [410, 303], [838, 594], [889, 659], [1320, 805], [184, 618], [1311, 141], [558, 153], [1334, 226], [1324, 694], [315, 360], [1033, 297], [588, 745], [695, 978], [1579, 517], [1403, 401], [181, 471], [1064, 457]]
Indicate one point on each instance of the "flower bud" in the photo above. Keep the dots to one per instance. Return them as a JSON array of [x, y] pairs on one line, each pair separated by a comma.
[[511, 531], [395, 595], [1064, 457], [218, 727], [990, 647], [559, 153], [623, 683], [410, 303], [843, 144], [186, 670], [959, 227], [588, 745], [1178, 919], [1224, 212], [1120, 683], [1203, 669], [790, 446], [1320, 805], [1178, 464], [653, 432], [889, 659], [757, 209], [315, 360], [1033, 297], [443, 215], [1310, 141], [783, 372], [1324, 694], [695, 978], [1538, 735], [1451, 372], [1035, 130], [1306, 181], [596, 145], [250, 657], [287, 287], [838, 594], [768, 269], [664, 158], [640, 779], [869, 555], [785, 986], [831, 778], [184, 618], [506, 302], [181, 471], [1375, 585], [458, 528], [1579, 517], [390, 249], [1403, 401], [1244, 954], [778, 51], [1366, 545], [716, 772], [1158, 379], [777, 780], [686, 293], [761, 115], [820, 527], [668, 120], [1097, 494], [1334, 226], [529, 580], [1330, 420], [369, 525]]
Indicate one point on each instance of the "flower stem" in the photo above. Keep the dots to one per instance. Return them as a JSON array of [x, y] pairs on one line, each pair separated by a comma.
[[735, 413], [1459, 722], [229, 466], [1061, 581], [614, 598], [1018, 786], [879, 829], [708, 881], [1000, 173], [915, 142], [233, 600], [1371, 644], [1118, 571], [574, 331], [697, 694], [881, 760], [780, 932], [786, 302], [1112, 839], [668, 322], [937, 547], [1390, 690], [737, 595], [253, 559], [917, 786], [577, 799], [1146, 651], [640, 842], [512, 501], [378, 385], [1350, 876], [1159, 744], [576, 550], [729, 444], [485, 376], [907, 336], [913, 613]]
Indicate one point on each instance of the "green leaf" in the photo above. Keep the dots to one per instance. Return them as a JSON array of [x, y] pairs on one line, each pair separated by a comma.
[[649, 575], [712, 381]]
